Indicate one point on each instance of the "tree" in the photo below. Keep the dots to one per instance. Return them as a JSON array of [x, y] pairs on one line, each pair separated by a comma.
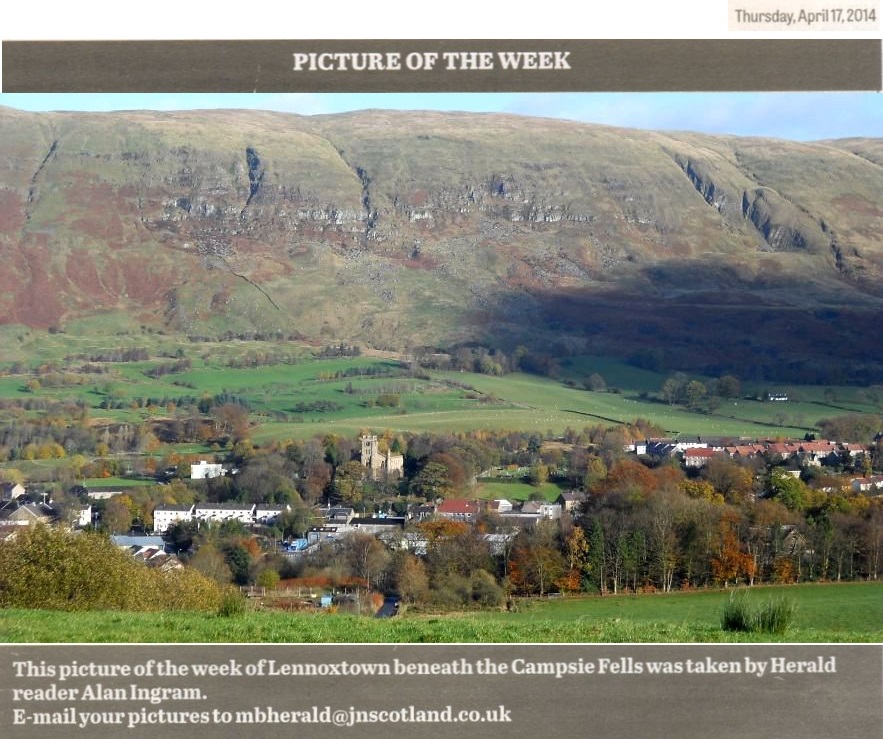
[[694, 392], [662, 512], [595, 472], [674, 387], [576, 549], [596, 383], [367, 558], [180, 535], [117, 517], [701, 490], [539, 474], [267, 578], [596, 558], [536, 563], [485, 590], [296, 522], [734, 481], [211, 562], [431, 482], [455, 469], [731, 562], [347, 483], [728, 386], [630, 477], [461, 553], [787, 489], [76, 463], [410, 578], [231, 419], [13, 476], [238, 560]]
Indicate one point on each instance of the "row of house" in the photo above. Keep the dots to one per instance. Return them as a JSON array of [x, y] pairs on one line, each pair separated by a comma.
[[698, 452], [867, 484], [468, 511], [250, 514], [340, 521]]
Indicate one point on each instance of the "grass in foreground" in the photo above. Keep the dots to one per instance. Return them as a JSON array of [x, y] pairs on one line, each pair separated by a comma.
[[825, 613]]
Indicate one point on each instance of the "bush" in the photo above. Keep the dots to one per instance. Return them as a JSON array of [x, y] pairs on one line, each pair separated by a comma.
[[268, 578], [773, 617], [776, 615], [45, 567], [736, 614], [187, 590], [485, 590], [232, 604]]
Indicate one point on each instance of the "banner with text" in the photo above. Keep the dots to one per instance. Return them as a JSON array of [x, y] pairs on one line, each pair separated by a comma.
[[443, 65], [446, 690]]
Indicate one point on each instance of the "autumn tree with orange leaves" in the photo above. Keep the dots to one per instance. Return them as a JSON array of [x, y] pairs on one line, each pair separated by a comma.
[[731, 563]]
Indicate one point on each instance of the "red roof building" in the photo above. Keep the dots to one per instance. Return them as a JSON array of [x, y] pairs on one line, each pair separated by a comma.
[[458, 509]]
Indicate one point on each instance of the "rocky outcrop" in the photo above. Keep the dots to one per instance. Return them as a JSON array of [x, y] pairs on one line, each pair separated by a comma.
[[423, 227]]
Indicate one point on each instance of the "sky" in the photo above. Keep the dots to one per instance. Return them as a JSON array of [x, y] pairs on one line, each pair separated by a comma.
[[795, 116]]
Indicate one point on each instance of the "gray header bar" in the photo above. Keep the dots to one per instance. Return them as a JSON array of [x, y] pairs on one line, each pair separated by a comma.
[[443, 66]]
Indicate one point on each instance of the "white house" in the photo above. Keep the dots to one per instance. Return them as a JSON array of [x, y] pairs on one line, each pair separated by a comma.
[[500, 505], [13, 513], [103, 493], [867, 484], [168, 515], [266, 514], [205, 471], [698, 457], [550, 511], [11, 491], [84, 516], [220, 512]]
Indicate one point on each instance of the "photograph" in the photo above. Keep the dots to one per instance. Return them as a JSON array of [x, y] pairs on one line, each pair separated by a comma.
[[463, 354], [503, 393]]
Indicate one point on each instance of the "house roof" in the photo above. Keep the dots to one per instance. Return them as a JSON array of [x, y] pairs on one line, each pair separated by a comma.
[[699, 452], [817, 446], [780, 448], [392, 521], [532, 506], [123, 540], [15, 511], [426, 508], [457, 505], [224, 507]]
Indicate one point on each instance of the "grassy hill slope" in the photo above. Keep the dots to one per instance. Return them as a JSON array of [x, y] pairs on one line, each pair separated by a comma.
[[427, 229]]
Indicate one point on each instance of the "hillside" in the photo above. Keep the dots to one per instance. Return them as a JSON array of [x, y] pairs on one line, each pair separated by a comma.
[[399, 230]]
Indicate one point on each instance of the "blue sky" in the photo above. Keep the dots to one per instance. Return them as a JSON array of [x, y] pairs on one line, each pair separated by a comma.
[[798, 116]]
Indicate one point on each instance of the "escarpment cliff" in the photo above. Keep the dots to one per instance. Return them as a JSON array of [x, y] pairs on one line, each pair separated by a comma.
[[409, 229]]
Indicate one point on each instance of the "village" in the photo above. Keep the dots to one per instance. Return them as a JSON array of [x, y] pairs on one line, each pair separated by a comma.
[[763, 503]]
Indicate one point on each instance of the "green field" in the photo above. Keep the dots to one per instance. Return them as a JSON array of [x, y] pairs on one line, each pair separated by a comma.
[[305, 395], [513, 490], [849, 612], [530, 403]]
